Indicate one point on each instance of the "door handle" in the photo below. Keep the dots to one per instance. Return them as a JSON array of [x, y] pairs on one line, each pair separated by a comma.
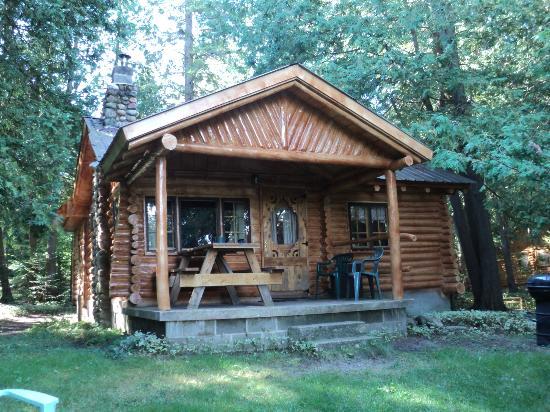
[[305, 243]]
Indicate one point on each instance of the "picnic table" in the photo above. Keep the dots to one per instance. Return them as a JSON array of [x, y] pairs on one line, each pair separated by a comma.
[[213, 254]]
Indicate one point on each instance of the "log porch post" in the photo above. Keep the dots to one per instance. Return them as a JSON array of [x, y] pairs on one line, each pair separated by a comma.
[[161, 203], [394, 236]]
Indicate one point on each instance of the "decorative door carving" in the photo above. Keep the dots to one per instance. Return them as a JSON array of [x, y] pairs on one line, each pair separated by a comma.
[[285, 240]]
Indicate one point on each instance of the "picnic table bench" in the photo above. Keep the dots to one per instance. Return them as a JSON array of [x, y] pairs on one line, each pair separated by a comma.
[[201, 277]]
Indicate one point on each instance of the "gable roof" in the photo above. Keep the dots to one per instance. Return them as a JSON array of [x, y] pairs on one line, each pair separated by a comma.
[[295, 78]]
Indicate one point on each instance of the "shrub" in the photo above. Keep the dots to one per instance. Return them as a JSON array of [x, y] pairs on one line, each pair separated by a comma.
[[473, 322], [141, 343], [303, 347], [80, 333]]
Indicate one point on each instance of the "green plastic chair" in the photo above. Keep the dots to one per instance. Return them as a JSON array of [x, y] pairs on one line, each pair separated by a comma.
[[359, 269], [336, 268], [44, 402]]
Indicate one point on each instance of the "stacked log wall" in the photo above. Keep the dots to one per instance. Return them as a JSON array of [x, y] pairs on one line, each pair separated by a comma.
[[428, 262], [120, 277]]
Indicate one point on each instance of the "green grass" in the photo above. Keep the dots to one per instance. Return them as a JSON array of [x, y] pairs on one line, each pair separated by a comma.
[[433, 378]]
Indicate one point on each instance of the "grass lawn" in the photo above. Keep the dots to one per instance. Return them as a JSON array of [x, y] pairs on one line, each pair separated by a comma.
[[413, 375]]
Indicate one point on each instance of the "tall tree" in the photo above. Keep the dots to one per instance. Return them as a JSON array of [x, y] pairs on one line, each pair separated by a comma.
[[466, 77]]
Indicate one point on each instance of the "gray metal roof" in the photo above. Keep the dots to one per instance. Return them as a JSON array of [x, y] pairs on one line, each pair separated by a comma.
[[421, 173], [100, 136]]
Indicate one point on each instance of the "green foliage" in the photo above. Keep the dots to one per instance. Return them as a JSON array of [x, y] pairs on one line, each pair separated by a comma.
[[79, 333], [468, 78], [48, 308], [473, 322], [303, 347], [141, 343]]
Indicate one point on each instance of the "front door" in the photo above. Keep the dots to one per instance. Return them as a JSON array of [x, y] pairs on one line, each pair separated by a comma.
[[285, 240]]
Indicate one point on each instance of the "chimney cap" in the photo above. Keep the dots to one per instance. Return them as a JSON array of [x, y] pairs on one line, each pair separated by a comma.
[[122, 72]]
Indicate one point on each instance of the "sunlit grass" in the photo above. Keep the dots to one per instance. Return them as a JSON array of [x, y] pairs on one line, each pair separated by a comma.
[[443, 379]]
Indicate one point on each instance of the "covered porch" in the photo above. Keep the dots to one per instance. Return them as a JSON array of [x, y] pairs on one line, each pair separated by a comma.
[[275, 164]]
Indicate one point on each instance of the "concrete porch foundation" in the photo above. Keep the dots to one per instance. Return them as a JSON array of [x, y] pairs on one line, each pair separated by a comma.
[[230, 324]]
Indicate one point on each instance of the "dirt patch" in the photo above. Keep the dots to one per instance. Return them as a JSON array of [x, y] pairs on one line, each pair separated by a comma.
[[11, 324], [481, 342]]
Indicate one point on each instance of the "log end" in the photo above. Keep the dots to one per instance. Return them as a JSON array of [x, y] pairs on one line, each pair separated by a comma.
[[169, 141]]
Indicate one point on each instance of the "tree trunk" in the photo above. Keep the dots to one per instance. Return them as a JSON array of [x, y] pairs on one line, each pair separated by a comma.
[[7, 296], [506, 253], [469, 252], [51, 264], [482, 238], [487, 292], [189, 85]]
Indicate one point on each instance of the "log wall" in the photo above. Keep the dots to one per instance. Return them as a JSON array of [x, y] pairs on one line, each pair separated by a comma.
[[427, 263]]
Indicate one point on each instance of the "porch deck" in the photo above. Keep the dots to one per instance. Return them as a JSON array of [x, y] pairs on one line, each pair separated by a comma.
[[223, 324]]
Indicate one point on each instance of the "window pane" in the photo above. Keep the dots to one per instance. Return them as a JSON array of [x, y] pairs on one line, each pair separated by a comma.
[[151, 223], [236, 221], [197, 222], [284, 226], [379, 223]]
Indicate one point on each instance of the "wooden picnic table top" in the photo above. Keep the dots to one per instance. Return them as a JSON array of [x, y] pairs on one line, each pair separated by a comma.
[[221, 247]]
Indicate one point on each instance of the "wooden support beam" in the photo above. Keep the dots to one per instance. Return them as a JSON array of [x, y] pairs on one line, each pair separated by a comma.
[[161, 203], [168, 143], [285, 155], [359, 179], [394, 235], [401, 163], [364, 176]]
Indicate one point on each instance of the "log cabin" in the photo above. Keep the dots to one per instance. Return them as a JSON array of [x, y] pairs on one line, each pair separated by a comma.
[[208, 219]]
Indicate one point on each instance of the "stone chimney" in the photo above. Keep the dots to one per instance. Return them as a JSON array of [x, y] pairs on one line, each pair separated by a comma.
[[120, 105]]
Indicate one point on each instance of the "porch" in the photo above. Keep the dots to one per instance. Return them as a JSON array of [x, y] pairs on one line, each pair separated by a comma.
[[302, 318]]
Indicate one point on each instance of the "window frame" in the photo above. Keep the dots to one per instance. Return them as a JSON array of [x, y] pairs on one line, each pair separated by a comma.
[[175, 230], [371, 243], [219, 201]]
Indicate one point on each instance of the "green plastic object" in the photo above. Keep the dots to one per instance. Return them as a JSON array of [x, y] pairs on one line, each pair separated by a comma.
[[359, 269], [337, 268], [45, 403]]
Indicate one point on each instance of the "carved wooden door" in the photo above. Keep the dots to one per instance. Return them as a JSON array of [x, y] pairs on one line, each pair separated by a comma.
[[285, 240]]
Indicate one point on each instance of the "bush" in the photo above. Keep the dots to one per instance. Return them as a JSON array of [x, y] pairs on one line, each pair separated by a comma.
[[473, 322], [143, 344], [80, 333]]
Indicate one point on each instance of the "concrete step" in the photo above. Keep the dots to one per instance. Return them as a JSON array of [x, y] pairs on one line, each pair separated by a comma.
[[320, 331], [337, 343]]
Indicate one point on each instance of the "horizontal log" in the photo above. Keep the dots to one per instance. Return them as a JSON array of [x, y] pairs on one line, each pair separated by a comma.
[[285, 155], [454, 288]]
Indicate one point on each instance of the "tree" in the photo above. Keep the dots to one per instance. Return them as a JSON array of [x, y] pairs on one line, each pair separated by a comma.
[[47, 50], [466, 78]]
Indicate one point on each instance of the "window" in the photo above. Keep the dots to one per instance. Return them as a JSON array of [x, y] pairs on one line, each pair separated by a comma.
[[197, 222], [284, 226], [151, 223], [368, 219], [236, 221], [200, 221]]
